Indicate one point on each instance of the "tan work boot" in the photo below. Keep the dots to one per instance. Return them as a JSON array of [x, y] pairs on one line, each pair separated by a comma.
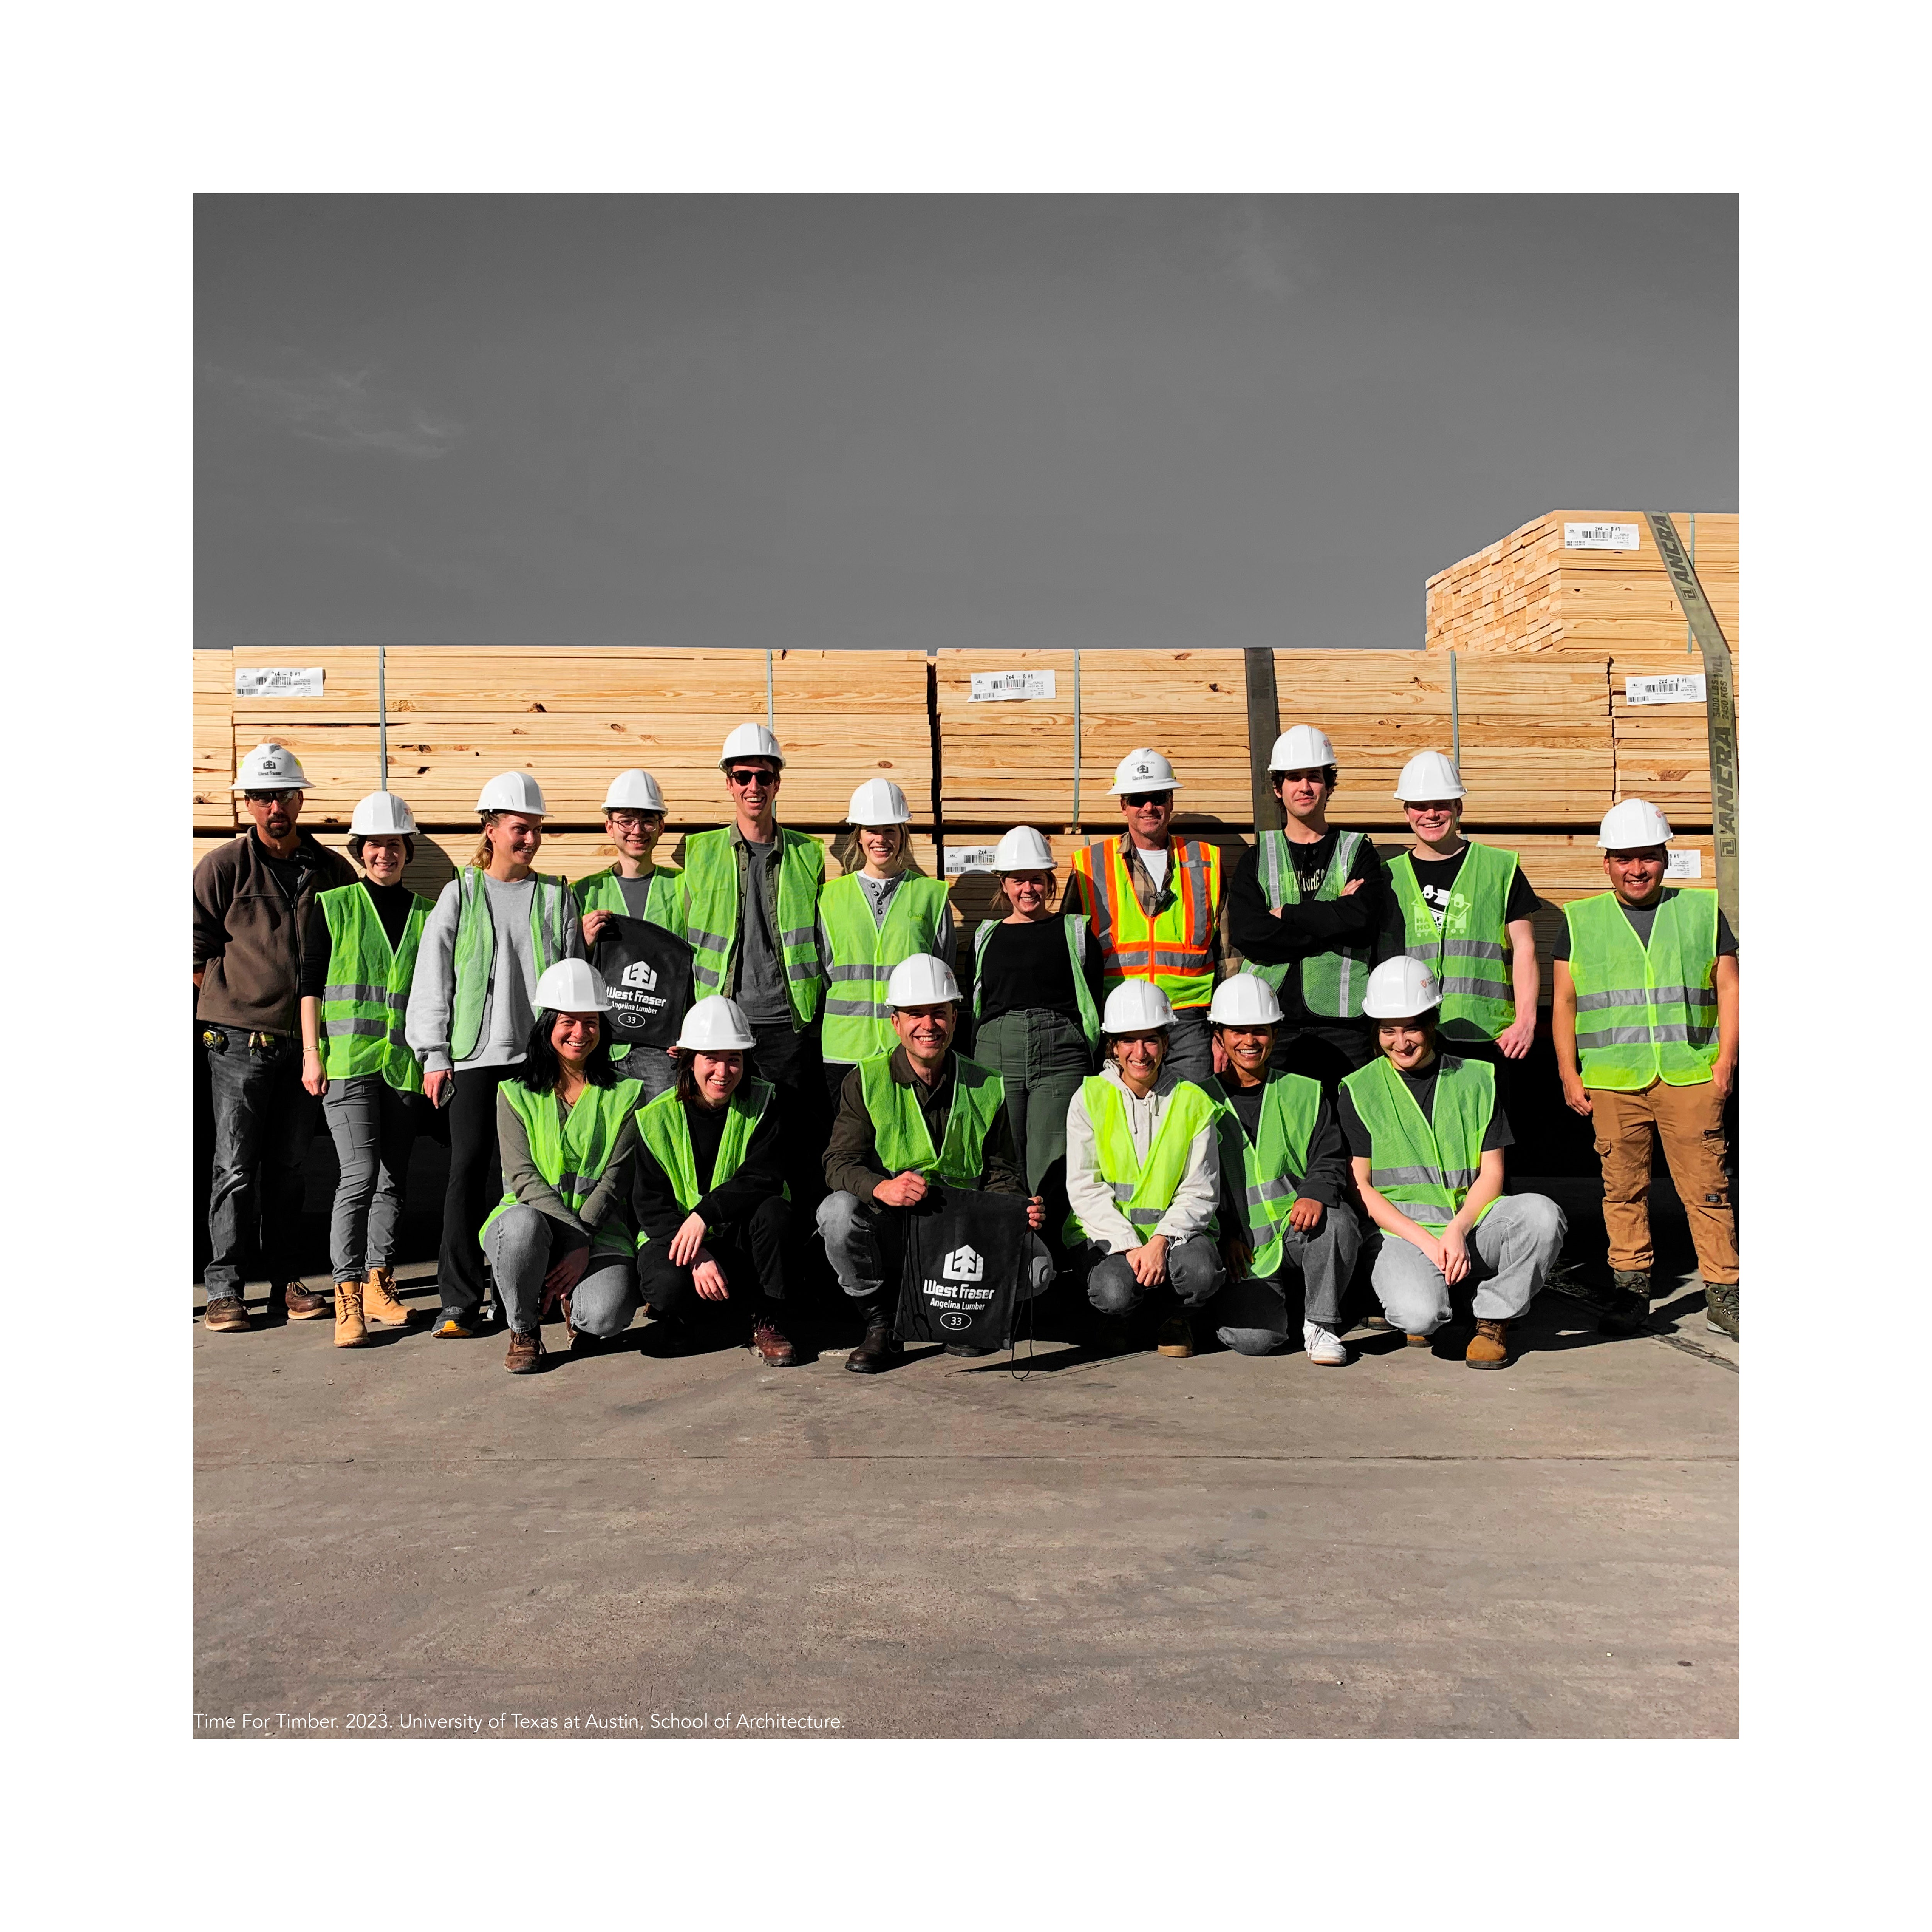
[[1488, 1348], [1176, 1338], [378, 1300], [350, 1330]]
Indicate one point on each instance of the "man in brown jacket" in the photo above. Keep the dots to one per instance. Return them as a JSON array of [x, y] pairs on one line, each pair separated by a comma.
[[251, 902]]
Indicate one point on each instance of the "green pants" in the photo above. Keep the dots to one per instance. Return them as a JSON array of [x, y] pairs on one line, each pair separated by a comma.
[[1042, 1056]]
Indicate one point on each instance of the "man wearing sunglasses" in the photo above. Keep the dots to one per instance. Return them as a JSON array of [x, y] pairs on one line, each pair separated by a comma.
[[1153, 904], [252, 899]]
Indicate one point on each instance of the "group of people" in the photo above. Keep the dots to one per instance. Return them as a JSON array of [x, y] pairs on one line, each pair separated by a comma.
[[1222, 1091]]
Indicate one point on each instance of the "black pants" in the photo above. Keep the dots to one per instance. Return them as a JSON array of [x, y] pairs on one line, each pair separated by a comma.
[[475, 1184], [793, 1063], [752, 1253], [1323, 1050]]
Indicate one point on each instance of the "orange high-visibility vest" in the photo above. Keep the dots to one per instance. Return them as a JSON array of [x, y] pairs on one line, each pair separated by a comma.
[[1175, 950]]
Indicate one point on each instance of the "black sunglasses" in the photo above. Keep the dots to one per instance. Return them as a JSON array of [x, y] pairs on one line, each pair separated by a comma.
[[1138, 798], [744, 774]]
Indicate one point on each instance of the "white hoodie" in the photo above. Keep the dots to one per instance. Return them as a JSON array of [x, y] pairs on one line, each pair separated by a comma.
[[1195, 1200]]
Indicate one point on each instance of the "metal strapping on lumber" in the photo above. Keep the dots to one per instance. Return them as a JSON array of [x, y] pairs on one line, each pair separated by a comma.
[[382, 724], [1455, 718], [771, 713], [1076, 737], [1721, 705], [1264, 728]]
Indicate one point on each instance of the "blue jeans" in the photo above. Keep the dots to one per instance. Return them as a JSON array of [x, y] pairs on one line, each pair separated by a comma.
[[264, 1120]]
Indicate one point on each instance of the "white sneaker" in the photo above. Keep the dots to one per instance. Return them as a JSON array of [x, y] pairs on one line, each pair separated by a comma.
[[1324, 1347]]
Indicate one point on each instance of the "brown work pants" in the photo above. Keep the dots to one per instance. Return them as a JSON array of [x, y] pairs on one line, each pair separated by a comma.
[[1689, 1122]]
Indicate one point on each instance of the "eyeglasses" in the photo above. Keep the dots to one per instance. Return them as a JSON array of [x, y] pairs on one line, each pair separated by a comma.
[[631, 820], [271, 797], [1140, 798], [745, 775]]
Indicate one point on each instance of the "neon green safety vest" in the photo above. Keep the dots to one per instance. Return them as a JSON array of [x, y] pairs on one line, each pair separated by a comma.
[[476, 949], [1263, 1176], [572, 1152], [899, 1131], [1145, 1194], [1645, 1013], [864, 951], [1332, 983], [712, 902], [1466, 952], [1075, 926], [1426, 1167], [666, 1132], [366, 991], [664, 906]]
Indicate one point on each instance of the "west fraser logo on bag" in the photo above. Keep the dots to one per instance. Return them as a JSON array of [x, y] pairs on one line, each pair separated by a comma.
[[963, 1264], [639, 974]]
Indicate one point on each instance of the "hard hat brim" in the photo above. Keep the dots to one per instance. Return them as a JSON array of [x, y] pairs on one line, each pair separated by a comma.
[[1114, 790], [261, 784]]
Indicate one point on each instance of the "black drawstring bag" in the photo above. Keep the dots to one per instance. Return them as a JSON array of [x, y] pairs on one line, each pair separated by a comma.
[[647, 972], [964, 1251]]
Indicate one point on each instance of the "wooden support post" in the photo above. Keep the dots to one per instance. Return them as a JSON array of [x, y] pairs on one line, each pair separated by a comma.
[[1264, 728]]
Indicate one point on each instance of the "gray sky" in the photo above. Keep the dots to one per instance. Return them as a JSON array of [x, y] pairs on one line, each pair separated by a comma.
[[968, 421]]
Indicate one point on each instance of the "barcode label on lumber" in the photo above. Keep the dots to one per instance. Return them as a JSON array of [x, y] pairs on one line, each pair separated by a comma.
[[1671, 687], [1601, 536], [996, 686], [960, 858], [278, 681], [1683, 865]]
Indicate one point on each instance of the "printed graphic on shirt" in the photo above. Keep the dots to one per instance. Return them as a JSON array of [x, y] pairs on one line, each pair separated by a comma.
[[1436, 898]]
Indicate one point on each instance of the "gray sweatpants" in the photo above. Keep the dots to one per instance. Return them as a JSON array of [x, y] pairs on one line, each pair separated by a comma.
[[866, 1247], [524, 1244], [1194, 1271], [373, 1128], [1253, 1314], [1510, 1255]]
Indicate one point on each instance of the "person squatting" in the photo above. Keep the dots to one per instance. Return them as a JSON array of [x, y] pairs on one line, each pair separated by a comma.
[[1225, 1095]]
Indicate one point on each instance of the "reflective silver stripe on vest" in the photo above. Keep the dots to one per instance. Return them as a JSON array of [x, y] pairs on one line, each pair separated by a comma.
[[808, 971], [1145, 1217], [714, 942], [1648, 1036], [707, 976], [377, 1029], [1122, 1190], [1638, 996], [376, 993], [798, 935], [1473, 949], [1428, 954], [1452, 983], [855, 972], [854, 1009], [1195, 962], [581, 1185], [1382, 1178], [1271, 1190]]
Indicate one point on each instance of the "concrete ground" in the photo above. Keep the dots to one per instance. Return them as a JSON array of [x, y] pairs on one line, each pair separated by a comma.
[[1131, 1546]]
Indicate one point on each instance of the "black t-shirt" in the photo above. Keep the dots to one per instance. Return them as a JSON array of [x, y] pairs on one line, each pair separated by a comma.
[[1437, 878], [1026, 966], [1422, 1085], [1327, 1180], [392, 905], [1643, 918], [1314, 925]]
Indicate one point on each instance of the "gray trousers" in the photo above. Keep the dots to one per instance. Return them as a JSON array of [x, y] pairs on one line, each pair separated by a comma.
[[652, 1065], [1190, 1047], [1254, 1313], [524, 1243], [1510, 1255], [1042, 1057], [1193, 1268], [374, 1128], [866, 1247]]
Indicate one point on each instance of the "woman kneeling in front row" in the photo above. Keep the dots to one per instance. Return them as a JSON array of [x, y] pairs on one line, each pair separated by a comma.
[[567, 1129], [708, 1193]]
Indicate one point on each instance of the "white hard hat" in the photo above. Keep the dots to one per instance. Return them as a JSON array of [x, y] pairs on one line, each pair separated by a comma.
[[1135, 1007], [715, 1024], [750, 741], [1023, 850], [272, 767], [1400, 989], [573, 986], [1144, 770], [878, 801], [1634, 822], [1429, 775], [634, 790], [921, 981], [382, 815], [1244, 999], [1301, 748], [511, 791]]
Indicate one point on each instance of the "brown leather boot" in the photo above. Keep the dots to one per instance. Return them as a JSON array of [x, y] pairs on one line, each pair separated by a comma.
[[525, 1352], [1489, 1348], [301, 1305], [351, 1331], [378, 1300], [878, 1348]]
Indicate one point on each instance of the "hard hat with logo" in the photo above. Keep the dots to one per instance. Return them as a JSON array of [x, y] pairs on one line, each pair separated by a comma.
[[382, 815], [1634, 823], [1400, 989], [633, 790], [1135, 1006], [272, 767], [921, 981], [573, 986], [1023, 850], [1301, 748], [512, 791], [750, 741], [878, 801], [715, 1024], [1429, 775], [1144, 770], [1243, 1000]]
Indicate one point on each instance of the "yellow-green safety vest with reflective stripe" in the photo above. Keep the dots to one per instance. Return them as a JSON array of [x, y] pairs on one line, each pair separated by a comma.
[[899, 1132], [663, 906], [1263, 1176], [711, 902], [666, 1130], [1645, 1013], [1425, 1166], [1075, 926], [475, 950], [864, 951], [1145, 1193], [366, 991], [1333, 982], [572, 1154], [1466, 952]]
